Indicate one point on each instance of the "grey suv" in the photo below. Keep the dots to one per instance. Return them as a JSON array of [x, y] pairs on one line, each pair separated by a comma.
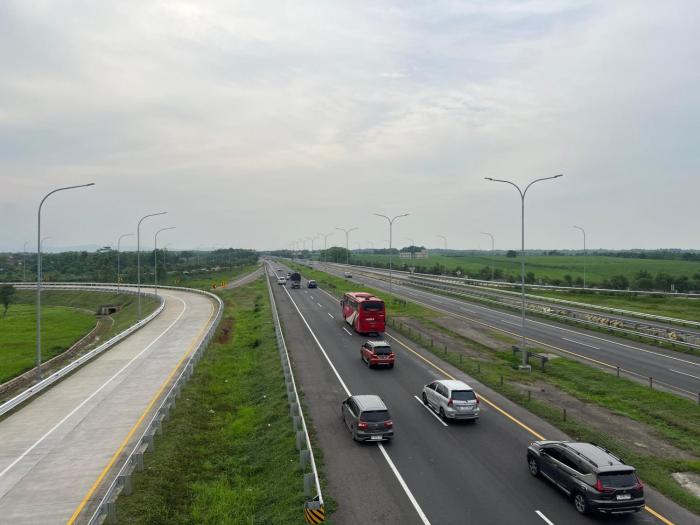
[[367, 418], [594, 478], [451, 399]]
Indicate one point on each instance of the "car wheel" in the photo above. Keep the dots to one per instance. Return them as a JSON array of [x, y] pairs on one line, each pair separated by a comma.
[[391, 365], [442, 414], [580, 503], [425, 399], [533, 466]]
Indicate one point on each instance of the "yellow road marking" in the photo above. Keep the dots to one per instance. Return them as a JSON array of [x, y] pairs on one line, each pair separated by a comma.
[[128, 437], [658, 516]]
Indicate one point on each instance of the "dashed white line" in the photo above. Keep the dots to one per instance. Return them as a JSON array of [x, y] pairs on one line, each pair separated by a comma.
[[580, 343], [408, 492], [347, 331], [430, 411], [545, 518], [330, 315], [683, 373], [319, 304], [510, 322]]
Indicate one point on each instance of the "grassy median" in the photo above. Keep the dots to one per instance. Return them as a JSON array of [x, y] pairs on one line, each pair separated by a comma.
[[676, 420], [227, 454]]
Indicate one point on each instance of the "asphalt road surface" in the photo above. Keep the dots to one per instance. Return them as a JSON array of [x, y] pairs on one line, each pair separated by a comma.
[[55, 448], [432, 473], [678, 372]]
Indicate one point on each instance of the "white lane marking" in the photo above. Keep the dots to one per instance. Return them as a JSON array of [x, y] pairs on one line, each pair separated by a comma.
[[331, 315], [347, 331], [580, 343], [311, 296], [430, 411], [319, 304], [510, 322], [683, 373], [545, 518], [408, 492], [87, 399]]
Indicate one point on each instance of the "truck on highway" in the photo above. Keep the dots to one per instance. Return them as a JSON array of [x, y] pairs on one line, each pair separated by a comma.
[[295, 278]]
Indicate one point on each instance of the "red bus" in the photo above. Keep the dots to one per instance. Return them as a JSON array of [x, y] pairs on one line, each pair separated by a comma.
[[364, 312]]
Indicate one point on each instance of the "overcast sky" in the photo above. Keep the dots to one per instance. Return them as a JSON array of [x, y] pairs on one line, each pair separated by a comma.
[[258, 123]]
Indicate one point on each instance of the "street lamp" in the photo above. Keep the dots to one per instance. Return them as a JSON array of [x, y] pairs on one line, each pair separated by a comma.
[[38, 272], [119, 252], [525, 364], [391, 225], [155, 256], [347, 241], [584, 254], [492, 253], [312, 239], [138, 257], [325, 244]]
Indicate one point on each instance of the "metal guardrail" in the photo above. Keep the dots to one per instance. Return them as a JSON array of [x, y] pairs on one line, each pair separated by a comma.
[[30, 392], [106, 508], [314, 510]]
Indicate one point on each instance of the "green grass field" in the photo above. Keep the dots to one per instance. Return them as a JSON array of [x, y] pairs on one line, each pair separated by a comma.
[[205, 280], [598, 268], [66, 317], [61, 327], [227, 455]]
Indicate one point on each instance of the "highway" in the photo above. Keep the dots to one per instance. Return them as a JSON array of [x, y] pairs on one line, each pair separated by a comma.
[[432, 473], [57, 448], [679, 372]]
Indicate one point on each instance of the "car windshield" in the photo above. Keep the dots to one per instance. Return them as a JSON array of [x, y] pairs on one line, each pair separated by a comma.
[[382, 350], [373, 306], [375, 416], [463, 395], [618, 479]]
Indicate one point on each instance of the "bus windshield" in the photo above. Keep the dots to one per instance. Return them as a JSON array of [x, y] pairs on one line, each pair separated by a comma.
[[373, 306]]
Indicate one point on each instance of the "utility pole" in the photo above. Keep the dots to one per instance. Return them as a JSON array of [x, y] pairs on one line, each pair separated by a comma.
[[391, 220], [347, 242], [138, 258]]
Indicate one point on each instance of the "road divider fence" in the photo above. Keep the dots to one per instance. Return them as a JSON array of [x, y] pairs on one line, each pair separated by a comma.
[[314, 508]]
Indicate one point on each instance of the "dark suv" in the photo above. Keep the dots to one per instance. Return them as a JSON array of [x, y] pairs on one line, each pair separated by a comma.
[[594, 478], [367, 418]]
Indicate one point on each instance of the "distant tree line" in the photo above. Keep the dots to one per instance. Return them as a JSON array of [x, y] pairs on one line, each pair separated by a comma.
[[101, 265]]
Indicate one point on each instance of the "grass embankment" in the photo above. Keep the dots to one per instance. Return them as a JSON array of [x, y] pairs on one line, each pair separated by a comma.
[[206, 280], [598, 267], [227, 454], [67, 316], [676, 420], [61, 327]]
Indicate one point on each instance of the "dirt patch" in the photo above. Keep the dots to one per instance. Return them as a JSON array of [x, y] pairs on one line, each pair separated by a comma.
[[225, 331], [690, 481]]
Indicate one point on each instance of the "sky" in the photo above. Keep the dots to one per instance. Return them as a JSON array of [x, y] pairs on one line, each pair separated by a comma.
[[259, 123]]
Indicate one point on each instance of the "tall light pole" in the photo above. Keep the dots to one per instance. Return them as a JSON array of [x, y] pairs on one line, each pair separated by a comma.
[[492, 252], [325, 244], [38, 272], [525, 364], [347, 242], [138, 257], [24, 262], [312, 239], [584, 254], [119, 252], [391, 220], [155, 256]]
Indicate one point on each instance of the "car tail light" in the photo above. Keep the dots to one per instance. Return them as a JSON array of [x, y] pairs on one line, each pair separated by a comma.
[[388, 424], [639, 485], [362, 424], [600, 488], [449, 402], [477, 399]]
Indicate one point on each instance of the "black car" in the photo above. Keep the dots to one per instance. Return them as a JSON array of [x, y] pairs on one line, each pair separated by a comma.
[[312, 284], [367, 418], [595, 479]]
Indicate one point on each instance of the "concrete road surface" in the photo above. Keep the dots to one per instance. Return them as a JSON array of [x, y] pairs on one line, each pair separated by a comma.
[[54, 449]]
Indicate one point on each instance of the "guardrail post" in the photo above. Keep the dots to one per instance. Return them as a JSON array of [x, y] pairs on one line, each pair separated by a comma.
[[304, 458], [297, 423], [301, 440], [111, 513], [651, 383], [564, 413], [293, 408], [618, 371], [308, 484]]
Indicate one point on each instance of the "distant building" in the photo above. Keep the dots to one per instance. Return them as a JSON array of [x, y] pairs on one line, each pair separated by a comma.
[[423, 254]]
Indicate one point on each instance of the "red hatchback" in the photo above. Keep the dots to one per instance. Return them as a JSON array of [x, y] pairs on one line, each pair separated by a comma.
[[377, 353]]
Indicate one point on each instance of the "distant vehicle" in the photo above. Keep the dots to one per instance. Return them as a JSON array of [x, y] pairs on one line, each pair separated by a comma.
[[295, 278], [347, 275], [594, 478], [364, 312], [367, 418], [289, 274], [312, 284], [281, 280], [451, 399], [377, 353]]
